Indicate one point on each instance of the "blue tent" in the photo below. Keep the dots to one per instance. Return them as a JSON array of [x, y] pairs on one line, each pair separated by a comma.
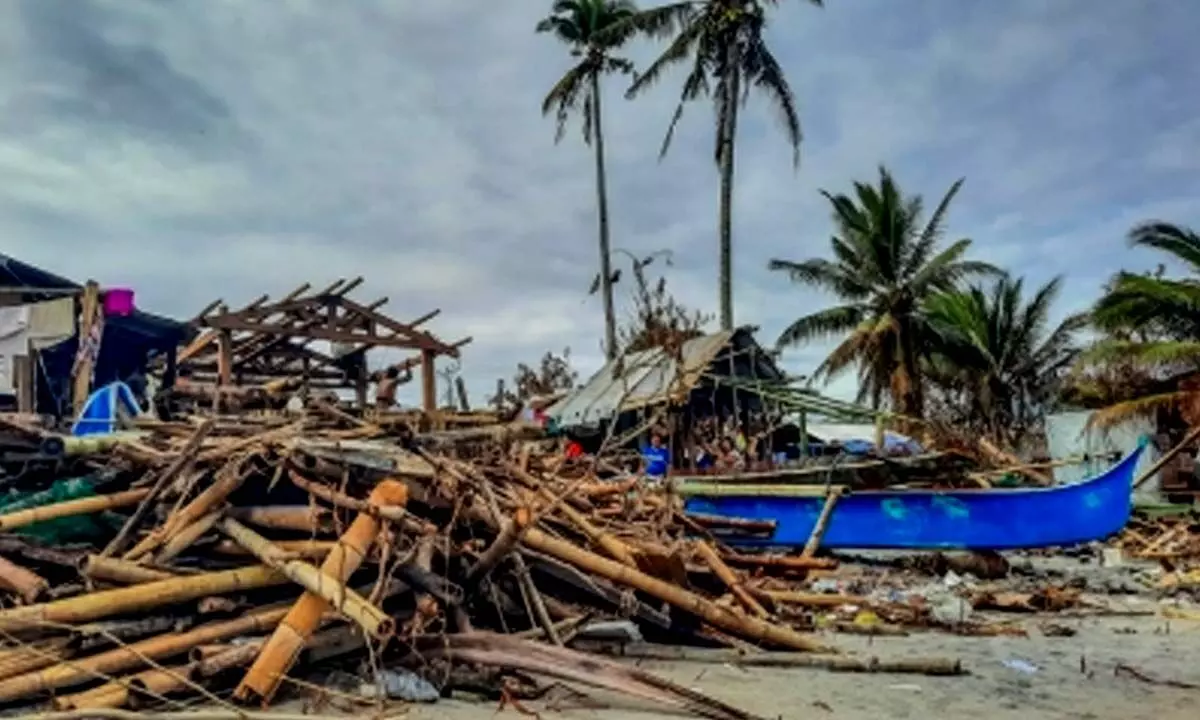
[[102, 412]]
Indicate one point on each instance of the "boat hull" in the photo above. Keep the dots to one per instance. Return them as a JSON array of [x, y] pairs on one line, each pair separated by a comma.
[[986, 519]]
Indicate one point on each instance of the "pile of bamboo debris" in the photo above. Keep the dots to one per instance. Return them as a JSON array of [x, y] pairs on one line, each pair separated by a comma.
[[1173, 540], [246, 554]]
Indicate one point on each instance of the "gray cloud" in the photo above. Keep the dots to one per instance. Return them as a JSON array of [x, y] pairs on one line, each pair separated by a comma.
[[197, 148]]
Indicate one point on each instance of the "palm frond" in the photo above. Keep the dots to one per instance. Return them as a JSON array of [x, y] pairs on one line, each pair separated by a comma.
[[1179, 242], [831, 321]]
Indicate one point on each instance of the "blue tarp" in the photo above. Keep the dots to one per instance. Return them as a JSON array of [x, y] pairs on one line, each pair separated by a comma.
[[101, 413]]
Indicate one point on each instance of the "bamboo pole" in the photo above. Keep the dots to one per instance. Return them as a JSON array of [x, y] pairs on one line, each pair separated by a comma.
[[282, 649], [330, 589], [27, 658], [818, 531], [71, 508], [179, 465], [834, 663], [301, 518], [27, 584], [81, 670], [296, 548], [121, 691], [612, 546], [722, 619], [730, 578], [782, 562], [391, 513], [508, 538], [230, 478], [97, 567], [1167, 457], [186, 536], [107, 603]]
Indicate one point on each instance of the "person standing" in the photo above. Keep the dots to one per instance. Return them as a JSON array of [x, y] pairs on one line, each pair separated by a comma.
[[386, 385], [656, 458]]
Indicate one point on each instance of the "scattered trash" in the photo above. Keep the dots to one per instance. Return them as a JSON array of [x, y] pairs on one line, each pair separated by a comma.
[[400, 685], [1021, 666]]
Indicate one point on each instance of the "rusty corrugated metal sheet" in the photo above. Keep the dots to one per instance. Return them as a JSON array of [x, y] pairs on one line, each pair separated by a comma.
[[647, 378]]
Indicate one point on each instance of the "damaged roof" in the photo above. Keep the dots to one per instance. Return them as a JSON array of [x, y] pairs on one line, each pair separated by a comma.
[[647, 378]]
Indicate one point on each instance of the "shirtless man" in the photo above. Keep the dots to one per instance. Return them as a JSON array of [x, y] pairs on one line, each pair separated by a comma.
[[386, 384]]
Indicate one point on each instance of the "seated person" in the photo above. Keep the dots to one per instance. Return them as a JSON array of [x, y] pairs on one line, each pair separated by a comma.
[[728, 457]]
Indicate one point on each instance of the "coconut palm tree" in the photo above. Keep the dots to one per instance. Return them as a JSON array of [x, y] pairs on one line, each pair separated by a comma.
[[723, 43], [887, 261], [593, 30], [995, 355], [1152, 329]]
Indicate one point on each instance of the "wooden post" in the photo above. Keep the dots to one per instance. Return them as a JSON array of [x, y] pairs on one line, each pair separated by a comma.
[[428, 381], [23, 373], [89, 314], [818, 532], [1190, 438]]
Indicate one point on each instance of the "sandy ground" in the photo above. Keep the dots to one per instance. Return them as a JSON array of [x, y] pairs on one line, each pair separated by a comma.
[[993, 691]]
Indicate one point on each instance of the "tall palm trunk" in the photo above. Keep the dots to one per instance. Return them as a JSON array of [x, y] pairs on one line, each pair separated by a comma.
[[606, 289], [913, 402], [725, 230]]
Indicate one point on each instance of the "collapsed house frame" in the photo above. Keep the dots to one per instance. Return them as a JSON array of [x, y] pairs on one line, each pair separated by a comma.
[[266, 341]]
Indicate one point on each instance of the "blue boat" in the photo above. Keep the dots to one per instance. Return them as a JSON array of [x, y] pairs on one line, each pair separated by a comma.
[[984, 519]]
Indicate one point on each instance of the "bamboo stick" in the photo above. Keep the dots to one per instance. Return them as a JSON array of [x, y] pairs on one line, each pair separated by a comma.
[[20, 660], [332, 590], [27, 584], [835, 663], [281, 650], [732, 623], [730, 578], [97, 567], [295, 548], [301, 518], [179, 465], [818, 531], [71, 508], [184, 539], [81, 670], [1169, 455], [810, 599], [230, 478], [783, 562], [508, 538], [391, 513], [612, 546], [121, 691], [107, 603]]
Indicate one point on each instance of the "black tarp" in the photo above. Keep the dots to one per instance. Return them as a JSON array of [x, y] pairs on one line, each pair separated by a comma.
[[126, 345]]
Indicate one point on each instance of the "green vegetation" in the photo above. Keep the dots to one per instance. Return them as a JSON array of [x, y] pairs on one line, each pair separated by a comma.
[[932, 334]]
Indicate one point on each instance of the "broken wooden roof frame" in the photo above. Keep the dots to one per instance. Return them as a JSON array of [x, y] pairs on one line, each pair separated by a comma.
[[265, 340]]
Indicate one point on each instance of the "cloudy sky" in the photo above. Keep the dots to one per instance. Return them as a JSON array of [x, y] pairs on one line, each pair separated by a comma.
[[201, 148]]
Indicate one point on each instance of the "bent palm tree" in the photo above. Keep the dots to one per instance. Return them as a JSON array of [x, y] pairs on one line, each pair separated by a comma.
[[592, 29], [1152, 324], [995, 355], [886, 263], [722, 41]]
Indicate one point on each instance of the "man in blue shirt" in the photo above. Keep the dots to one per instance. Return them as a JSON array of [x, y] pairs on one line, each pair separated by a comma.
[[656, 458]]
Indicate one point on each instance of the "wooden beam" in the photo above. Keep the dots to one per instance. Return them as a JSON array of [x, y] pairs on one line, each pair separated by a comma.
[[420, 338], [318, 333], [224, 358], [91, 313], [428, 380]]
